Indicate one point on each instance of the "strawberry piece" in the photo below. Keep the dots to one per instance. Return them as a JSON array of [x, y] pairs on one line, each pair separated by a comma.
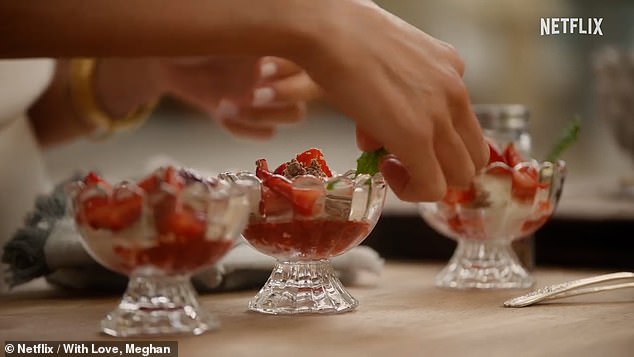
[[150, 184], [511, 156], [172, 217], [110, 213], [273, 203], [125, 208], [92, 179], [494, 153], [499, 169], [169, 175], [460, 196], [280, 169], [309, 155], [525, 184], [455, 224], [303, 200], [95, 212]]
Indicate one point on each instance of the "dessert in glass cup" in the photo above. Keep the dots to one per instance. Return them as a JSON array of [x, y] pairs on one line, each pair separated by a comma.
[[302, 214], [158, 232], [509, 199]]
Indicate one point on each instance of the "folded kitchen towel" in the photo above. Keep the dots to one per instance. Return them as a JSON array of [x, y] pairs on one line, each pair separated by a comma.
[[49, 245]]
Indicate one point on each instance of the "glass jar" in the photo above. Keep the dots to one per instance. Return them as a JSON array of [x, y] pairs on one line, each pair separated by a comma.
[[505, 124]]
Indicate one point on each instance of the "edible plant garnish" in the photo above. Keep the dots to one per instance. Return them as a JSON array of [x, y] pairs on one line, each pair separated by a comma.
[[568, 137], [368, 162]]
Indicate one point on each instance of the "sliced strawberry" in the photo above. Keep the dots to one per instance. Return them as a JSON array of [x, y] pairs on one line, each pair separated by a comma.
[[93, 179], [525, 184], [460, 196], [171, 217], [125, 208], [95, 212], [309, 155], [494, 153], [303, 200], [273, 203], [170, 175], [150, 184], [511, 156], [280, 169], [499, 168]]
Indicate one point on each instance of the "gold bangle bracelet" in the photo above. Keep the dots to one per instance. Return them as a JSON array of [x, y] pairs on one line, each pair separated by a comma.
[[82, 90]]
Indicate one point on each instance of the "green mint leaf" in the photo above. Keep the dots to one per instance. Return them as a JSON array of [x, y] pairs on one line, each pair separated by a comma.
[[368, 162], [332, 184], [568, 137]]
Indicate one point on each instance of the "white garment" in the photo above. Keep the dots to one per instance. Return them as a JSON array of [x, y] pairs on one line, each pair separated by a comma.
[[22, 173]]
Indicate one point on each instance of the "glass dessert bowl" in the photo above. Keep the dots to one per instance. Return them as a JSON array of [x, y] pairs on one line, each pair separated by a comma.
[[508, 200], [158, 232], [302, 215]]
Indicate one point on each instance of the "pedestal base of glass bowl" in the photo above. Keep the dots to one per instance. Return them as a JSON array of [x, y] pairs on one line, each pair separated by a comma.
[[309, 287], [158, 305], [484, 265]]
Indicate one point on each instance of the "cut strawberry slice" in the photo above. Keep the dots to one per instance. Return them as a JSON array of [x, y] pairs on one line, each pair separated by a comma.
[[172, 217], [273, 203], [125, 208], [280, 169], [95, 212], [511, 156], [460, 196], [525, 184], [494, 153], [112, 213], [170, 175], [303, 200], [309, 155], [92, 179]]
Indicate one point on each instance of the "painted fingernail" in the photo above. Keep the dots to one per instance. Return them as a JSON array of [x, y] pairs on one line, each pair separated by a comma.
[[226, 110], [262, 96], [268, 69], [395, 173]]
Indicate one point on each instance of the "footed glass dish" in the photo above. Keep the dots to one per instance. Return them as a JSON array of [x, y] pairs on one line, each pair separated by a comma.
[[503, 204], [158, 232], [302, 222]]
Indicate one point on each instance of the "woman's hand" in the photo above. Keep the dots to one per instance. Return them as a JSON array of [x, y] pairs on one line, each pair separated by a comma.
[[249, 96], [404, 90]]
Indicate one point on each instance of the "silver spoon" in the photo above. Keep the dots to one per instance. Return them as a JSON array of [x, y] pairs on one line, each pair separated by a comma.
[[572, 288]]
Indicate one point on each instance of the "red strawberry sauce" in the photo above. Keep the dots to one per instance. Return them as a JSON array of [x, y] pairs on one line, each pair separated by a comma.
[[174, 257], [308, 239]]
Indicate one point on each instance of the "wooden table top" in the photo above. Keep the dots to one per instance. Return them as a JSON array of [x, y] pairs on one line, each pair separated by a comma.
[[401, 314]]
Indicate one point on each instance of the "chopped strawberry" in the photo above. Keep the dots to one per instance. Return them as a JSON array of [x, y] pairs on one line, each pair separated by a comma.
[[125, 208], [499, 169], [95, 212], [172, 217], [303, 200], [494, 153], [511, 156], [170, 175], [525, 183], [273, 203], [460, 196], [309, 155], [110, 211], [280, 169], [150, 184], [92, 179]]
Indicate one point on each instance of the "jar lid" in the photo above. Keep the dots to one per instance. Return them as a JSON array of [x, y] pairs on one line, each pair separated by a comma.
[[502, 116]]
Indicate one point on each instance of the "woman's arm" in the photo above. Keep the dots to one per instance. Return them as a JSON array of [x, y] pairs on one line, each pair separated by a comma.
[[105, 28], [402, 87]]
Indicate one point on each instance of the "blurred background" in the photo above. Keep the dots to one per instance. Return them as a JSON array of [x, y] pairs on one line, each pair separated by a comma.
[[507, 61]]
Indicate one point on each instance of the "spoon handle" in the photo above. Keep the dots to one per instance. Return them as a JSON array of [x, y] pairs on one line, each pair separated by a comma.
[[571, 288]]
